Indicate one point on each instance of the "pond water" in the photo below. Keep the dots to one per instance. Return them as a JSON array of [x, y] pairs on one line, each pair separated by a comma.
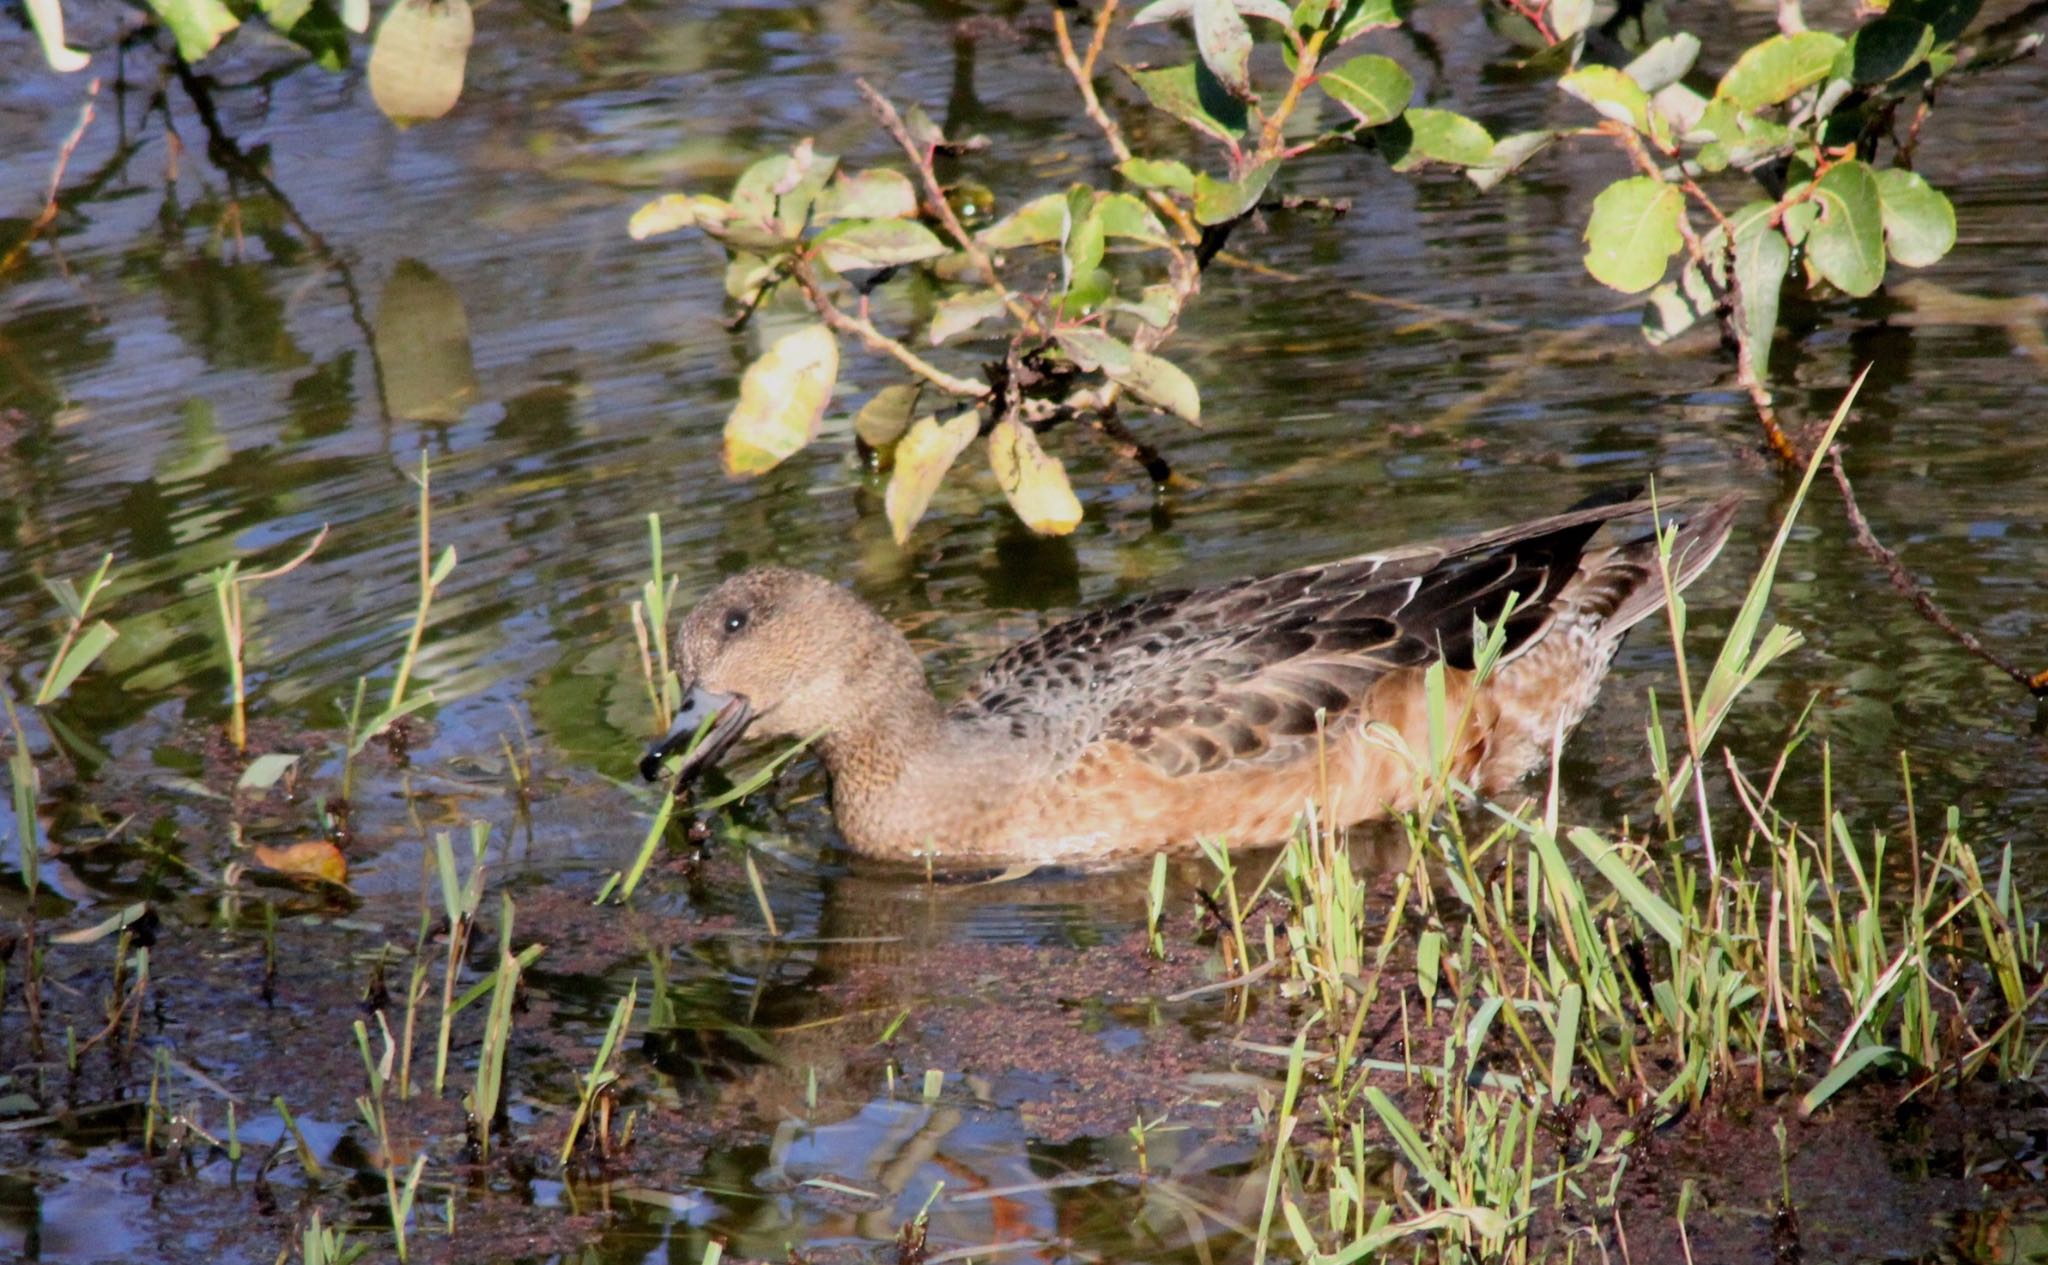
[[251, 319]]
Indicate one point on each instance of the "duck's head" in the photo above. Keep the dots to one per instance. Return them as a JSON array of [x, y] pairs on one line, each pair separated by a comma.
[[772, 653]]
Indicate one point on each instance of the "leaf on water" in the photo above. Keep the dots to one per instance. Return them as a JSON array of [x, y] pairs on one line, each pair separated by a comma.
[[1034, 480], [418, 57], [1777, 68], [782, 396], [1633, 233], [1220, 201], [1126, 215], [674, 211], [880, 194], [959, 313], [1919, 221], [1423, 135], [1155, 173], [852, 244], [264, 771], [314, 859], [1612, 93], [1036, 223], [198, 25], [923, 456], [1225, 43], [1846, 244], [883, 419], [1196, 97], [1374, 89]]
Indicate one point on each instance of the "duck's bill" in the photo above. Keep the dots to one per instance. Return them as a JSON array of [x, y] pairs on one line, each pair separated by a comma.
[[721, 718]]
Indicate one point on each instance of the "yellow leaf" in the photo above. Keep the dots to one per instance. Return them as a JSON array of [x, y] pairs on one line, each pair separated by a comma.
[[315, 858], [782, 396], [672, 211], [923, 456], [417, 58], [1033, 479]]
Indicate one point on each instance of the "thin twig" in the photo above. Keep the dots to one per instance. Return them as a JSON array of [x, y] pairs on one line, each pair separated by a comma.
[[1902, 580], [1083, 73], [847, 323], [48, 214]]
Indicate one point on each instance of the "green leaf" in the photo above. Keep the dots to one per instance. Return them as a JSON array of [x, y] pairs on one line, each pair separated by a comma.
[[1155, 173], [1374, 89], [782, 396], [47, 19], [1949, 18], [1883, 50], [1674, 307], [1196, 97], [1655, 912], [923, 456], [1154, 306], [777, 192], [1846, 244], [956, 314], [1037, 222], [198, 25], [264, 771], [853, 244], [1126, 215], [1665, 62], [887, 414], [1033, 480], [1919, 221], [1428, 135], [1151, 378], [1509, 153], [1082, 245], [1762, 258], [1353, 18], [1220, 201], [1225, 43], [1845, 1071], [1612, 93], [90, 645], [1775, 69], [880, 194], [1633, 233]]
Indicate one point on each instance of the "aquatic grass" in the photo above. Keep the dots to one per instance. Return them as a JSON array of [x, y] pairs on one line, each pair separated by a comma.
[[230, 586], [650, 618], [461, 895], [81, 643], [1155, 909], [484, 1099], [328, 1245], [601, 1077], [623, 885]]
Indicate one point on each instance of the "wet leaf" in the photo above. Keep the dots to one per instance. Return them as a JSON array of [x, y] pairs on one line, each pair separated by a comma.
[[1225, 43], [1036, 223], [417, 58], [1375, 89], [315, 859], [1126, 215], [1777, 68], [1633, 233], [1152, 173], [782, 396], [675, 211], [1883, 50], [1196, 97], [198, 25], [1425, 135], [959, 313], [1034, 480], [1612, 93], [264, 771], [1919, 221], [883, 419], [881, 194], [1846, 244], [923, 456], [851, 244], [1220, 201]]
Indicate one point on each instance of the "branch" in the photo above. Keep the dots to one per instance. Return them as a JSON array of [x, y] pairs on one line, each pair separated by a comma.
[[847, 323], [1083, 72]]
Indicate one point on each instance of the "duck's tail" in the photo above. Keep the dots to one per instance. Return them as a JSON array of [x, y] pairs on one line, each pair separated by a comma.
[[1618, 589]]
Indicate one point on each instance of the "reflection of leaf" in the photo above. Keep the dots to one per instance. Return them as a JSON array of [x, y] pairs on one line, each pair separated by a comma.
[[923, 456], [782, 396], [417, 59], [1034, 480], [315, 858], [421, 338], [1633, 233]]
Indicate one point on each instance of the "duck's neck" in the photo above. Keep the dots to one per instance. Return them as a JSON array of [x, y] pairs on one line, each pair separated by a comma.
[[890, 726]]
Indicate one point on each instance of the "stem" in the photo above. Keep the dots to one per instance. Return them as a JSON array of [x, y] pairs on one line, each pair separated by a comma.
[[847, 323]]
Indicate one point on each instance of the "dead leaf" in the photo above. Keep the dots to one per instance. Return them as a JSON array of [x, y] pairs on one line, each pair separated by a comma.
[[923, 456], [315, 858], [782, 396], [417, 58], [1033, 479]]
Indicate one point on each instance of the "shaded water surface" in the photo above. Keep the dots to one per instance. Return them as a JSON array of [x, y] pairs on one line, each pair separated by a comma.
[[224, 345]]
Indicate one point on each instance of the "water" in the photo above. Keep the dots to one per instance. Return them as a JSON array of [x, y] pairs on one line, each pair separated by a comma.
[[210, 357]]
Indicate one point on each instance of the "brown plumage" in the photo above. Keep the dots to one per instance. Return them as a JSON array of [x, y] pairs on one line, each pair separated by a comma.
[[1189, 714]]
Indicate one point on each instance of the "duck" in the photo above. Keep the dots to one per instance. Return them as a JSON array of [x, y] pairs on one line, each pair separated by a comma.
[[1212, 713]]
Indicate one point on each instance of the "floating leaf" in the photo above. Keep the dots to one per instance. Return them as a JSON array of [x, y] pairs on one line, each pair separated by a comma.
[[883, 419], [1425, 135], [1153, 173], [1037, 222], [417, 59], [1225, 43], [851, 244], [1220, 201], [1375, 89], [782, 396], [1633, 233], [1196, 97], [1846, 244], [1919, 221], [1612, 93], [961, 312], [1034, 480], [674, 211], [1126, 215], [880, 194], [1775, 69], [923, 456], [198, 25], [315, 859], [264, 771]]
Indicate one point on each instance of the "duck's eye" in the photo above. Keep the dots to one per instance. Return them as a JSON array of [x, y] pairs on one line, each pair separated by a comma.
[[735, 620]]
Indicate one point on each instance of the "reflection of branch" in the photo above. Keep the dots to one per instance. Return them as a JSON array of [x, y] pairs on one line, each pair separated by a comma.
[[847, 323], [48, 214], [2037, 682]]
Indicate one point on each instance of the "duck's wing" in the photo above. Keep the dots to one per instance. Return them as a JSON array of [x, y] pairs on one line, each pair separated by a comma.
[[1194, 680]]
